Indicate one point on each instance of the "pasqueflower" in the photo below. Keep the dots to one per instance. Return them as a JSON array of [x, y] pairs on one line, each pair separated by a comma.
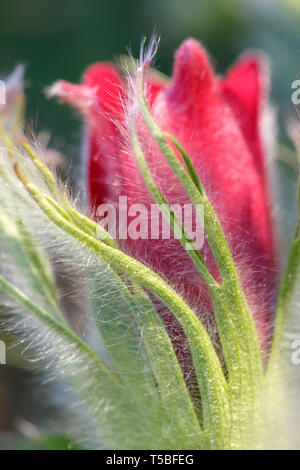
[[219, 122]]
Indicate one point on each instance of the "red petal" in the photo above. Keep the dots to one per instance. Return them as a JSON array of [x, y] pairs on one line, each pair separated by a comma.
[[193, 109], [105, 140], [109, 165], [192, 78], [99, 99], [108, 82], [245, 89]]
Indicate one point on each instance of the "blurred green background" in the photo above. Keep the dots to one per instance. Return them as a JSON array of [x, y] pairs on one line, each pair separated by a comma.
[[60, 38]]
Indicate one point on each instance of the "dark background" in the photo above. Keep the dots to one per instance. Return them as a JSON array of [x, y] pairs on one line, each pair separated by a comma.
[[60, 38]]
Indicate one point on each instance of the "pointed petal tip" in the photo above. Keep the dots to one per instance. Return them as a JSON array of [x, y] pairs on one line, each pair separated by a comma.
[[17, 75], [81, 97], [193, 75], [253, 58], [252, 72], [55, 89], [15, 81], [193, 58]]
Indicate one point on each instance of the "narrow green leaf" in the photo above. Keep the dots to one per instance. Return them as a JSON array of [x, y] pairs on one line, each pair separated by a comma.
[[27, 257], [210, 377]]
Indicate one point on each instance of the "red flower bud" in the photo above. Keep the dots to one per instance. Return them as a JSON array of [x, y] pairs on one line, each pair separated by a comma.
[[219, 123]]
